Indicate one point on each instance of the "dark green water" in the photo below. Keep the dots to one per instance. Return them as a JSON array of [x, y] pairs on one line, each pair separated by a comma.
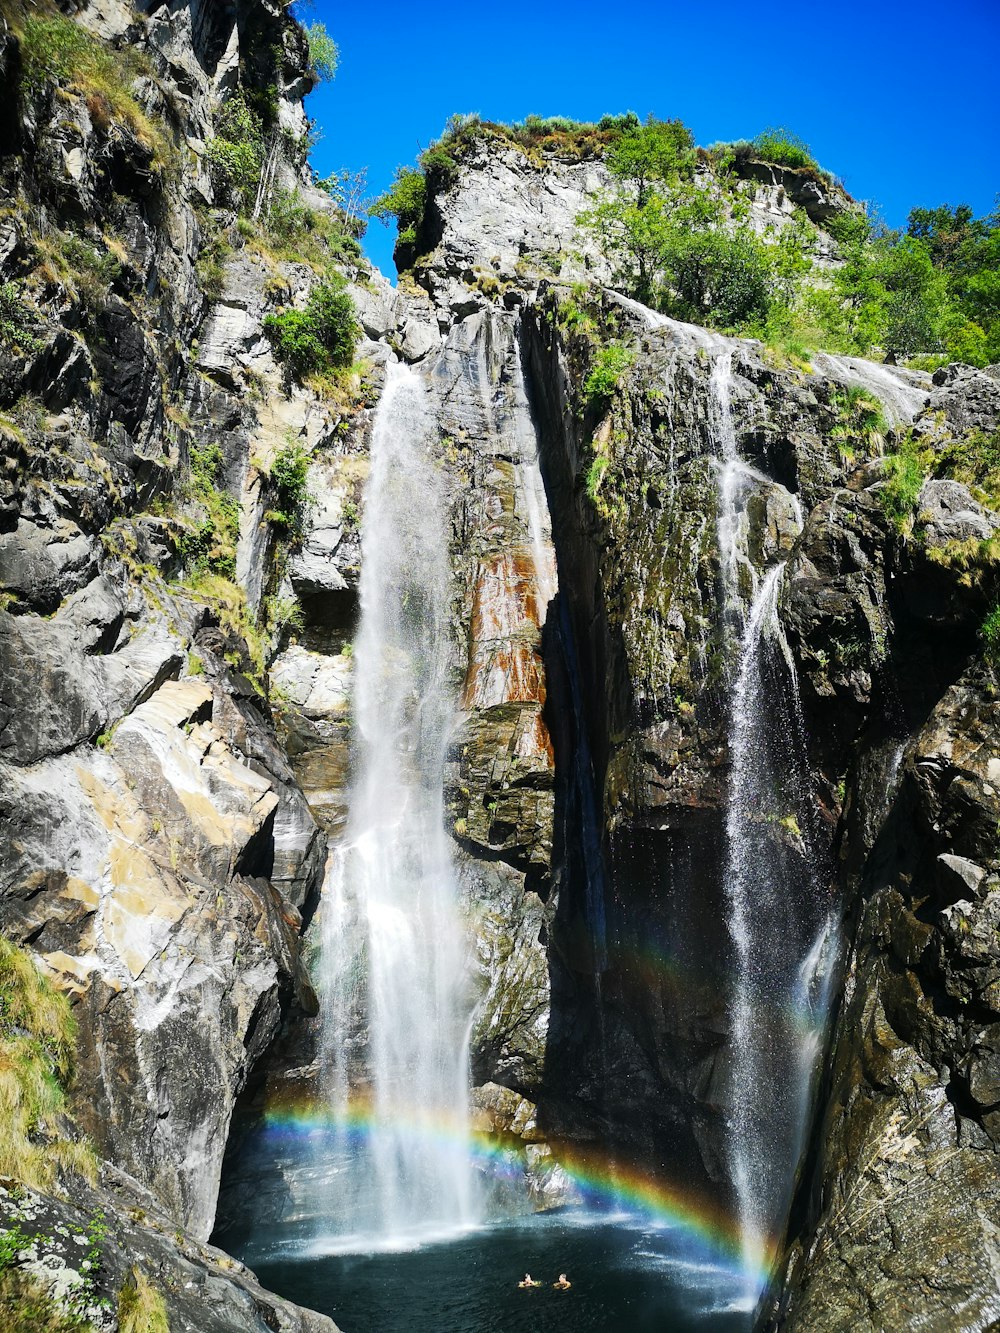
[[625, 1277]]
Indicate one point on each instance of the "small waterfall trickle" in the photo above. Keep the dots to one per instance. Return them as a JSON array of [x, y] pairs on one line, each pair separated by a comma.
[[395, 995], [531, 494], [784, 940]]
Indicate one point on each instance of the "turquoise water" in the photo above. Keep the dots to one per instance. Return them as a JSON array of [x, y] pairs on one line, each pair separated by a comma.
[[626, 1275]]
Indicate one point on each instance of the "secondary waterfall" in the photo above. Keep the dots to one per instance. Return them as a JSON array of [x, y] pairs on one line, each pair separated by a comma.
[[395, 997], [783, 939]]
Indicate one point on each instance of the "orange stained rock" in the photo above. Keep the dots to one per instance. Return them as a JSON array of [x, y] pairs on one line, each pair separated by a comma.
[[504, 666]]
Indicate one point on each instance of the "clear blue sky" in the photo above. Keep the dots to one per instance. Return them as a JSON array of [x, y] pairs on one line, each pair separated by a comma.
[[901, 100]]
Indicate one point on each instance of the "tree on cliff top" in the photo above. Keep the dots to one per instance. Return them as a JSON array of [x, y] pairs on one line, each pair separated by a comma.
[[659, 151]]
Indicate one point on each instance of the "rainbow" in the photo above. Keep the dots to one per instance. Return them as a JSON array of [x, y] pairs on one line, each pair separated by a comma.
[[599, 1182]]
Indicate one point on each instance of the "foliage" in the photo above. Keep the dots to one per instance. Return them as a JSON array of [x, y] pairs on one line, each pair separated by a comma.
[[677, 246], [38, 1036], [609, 365], [141, 1308], [320, 337], [209, 545], [228, 602], [78, 264], [783, 148], [595, 475], [288, 472], [990, 634], [323, 53], [236, 154], [18, 322], [965, 251], [658, 151], [26, 1307], [57, 50], [861, 424], [404, 201], [293, 231], [974, 461], [904, 474], [888, 294], [211, 262]]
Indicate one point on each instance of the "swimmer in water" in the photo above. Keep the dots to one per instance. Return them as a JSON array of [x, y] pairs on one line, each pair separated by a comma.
[[528, 1281], [563, 1284]]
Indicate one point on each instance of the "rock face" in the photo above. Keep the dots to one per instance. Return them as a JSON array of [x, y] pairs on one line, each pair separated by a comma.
[[156, 847], [883, 631]]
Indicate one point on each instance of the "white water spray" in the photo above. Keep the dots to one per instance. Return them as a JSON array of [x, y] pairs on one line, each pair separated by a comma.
[[396, 999]]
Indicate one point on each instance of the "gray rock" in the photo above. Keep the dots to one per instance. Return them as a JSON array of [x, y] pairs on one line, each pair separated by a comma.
[[948, 513]]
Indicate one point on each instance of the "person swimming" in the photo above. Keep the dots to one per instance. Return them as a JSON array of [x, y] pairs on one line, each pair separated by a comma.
[[563, 1284], [528, 1281]]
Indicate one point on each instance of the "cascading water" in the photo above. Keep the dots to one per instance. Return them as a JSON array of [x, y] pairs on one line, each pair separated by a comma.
[[394, 987], [783, 938]]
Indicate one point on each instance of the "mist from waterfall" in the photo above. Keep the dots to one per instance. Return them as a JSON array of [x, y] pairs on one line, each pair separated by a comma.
[[395, 994], [784, 940]]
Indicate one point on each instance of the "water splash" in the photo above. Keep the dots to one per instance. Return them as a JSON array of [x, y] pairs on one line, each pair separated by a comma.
[[395, 993]]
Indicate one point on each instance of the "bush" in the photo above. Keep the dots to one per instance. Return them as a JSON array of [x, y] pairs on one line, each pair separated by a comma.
[[288, 471], [209, 546], [27, 1307], [319, 338], [609, 365], [861, 425], [905, 473], [323, 53], [18, 321], [783, 148], [405, 200], [236, 154], [660, 150], [990, 634]]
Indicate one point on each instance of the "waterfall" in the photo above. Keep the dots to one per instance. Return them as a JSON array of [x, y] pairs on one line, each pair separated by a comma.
[[395, 997], [531, 494], [784, 940]]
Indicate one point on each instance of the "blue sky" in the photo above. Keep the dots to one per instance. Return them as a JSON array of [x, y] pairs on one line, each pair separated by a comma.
[[901, 100]]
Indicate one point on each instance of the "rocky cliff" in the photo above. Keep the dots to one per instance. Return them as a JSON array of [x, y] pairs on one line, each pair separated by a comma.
[[158, 848], [176, 634], [881, 606]]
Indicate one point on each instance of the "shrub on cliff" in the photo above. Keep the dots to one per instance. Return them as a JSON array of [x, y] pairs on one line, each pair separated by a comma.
[[405, 201], [609, 365], [18, 322], [323, 53], [236, 154], [288, 471], [318, 338], [783, 148]]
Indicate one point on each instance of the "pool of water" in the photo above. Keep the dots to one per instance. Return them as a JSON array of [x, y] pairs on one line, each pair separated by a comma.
[[626, 1275]]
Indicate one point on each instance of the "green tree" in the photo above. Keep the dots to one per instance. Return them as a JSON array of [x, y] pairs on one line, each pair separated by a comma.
[[323, 53], [657, 152], [405, 200]]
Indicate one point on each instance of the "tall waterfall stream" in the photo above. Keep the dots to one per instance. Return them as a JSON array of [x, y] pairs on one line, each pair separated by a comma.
[[393, 962], [783, 935]]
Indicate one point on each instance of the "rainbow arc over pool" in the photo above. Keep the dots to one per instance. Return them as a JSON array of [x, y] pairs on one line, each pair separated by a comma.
[[599, 1183]]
